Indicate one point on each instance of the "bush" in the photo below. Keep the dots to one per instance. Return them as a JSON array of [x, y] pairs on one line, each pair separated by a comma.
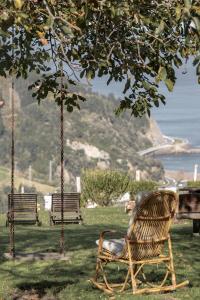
[[103, 186], [195, 184], [141, 186]]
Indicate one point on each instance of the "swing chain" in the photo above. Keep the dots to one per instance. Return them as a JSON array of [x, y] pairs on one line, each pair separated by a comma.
[[11, 212], [11, 204], [62, 162]]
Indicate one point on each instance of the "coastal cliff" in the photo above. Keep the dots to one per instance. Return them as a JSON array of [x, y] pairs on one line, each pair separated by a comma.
[[164, 145]]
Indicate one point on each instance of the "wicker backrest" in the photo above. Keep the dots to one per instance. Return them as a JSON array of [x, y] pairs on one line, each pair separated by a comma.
[[24, 206], [151, 224], [71, 202]]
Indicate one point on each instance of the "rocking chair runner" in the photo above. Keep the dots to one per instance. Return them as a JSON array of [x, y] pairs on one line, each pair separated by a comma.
[[143, 245]]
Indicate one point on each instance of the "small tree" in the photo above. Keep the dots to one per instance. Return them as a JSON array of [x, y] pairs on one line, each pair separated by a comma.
[[103, 186], [141, 186]]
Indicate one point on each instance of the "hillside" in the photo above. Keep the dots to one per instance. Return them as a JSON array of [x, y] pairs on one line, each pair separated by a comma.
[[94, 137]]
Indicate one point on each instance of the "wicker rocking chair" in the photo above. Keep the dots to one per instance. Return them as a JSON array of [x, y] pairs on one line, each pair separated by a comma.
[[143, 245]]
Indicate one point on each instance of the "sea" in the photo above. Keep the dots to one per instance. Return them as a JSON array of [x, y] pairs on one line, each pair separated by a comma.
[[180, 117]]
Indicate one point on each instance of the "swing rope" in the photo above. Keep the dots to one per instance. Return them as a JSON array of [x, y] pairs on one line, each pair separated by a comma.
[[62, 162], [11, 211], [11, 224], [11, 206]]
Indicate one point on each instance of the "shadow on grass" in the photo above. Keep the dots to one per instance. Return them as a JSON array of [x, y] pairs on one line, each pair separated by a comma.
[[77, 237], [50, 279], [40, 288]]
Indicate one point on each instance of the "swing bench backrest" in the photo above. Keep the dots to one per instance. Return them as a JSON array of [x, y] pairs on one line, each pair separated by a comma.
[[150, 228], [24, 209], [71, 208]]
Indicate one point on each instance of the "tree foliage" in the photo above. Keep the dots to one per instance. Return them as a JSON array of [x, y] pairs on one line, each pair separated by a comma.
[[104, 187], [137, 42]]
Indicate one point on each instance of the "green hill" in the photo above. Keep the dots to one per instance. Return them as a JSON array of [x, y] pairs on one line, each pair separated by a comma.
[[94, 137]]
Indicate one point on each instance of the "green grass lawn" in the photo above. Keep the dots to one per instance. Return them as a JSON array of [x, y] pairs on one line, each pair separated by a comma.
[[51, 280]]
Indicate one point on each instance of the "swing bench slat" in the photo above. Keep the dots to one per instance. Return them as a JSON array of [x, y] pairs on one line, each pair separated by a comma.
[[24, 209], [71, 209]]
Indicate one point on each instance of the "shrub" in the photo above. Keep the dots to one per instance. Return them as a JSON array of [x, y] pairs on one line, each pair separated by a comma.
[[103, 186], [195, 184], [140, 186]]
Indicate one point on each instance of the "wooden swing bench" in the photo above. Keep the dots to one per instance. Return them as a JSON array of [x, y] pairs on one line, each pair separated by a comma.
[[71, 209], [24, 209]]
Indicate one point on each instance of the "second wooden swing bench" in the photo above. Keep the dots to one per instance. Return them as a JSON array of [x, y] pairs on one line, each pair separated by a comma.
[[71, 209]]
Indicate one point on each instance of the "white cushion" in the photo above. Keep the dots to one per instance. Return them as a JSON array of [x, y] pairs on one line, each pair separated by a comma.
[[115, 246]]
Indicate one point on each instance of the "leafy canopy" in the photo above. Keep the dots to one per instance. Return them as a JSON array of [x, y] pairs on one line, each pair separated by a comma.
[[138, 42]]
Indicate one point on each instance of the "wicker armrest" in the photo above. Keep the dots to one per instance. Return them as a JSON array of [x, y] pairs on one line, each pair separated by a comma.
[[109, 231], [106, 231]]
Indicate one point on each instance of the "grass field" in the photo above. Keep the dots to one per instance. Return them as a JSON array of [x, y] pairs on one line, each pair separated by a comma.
[[50, 280]]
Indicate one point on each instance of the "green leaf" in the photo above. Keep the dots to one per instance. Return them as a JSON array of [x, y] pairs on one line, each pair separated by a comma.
[[148, 112], [156, 103], [109, 79], [188, 3], [178, 12], [67, 30], [3, 33], [197, 23], [23, 15], [169, 84], [69, 108], [162, 74], [198, 70], [127, 85], [100, 73], [81, 98], [196, 60], [18, 4], [146, 85], [160, 28], [177, 61], [82, 73], [113, 11], [49, 22], [2, 73], [90, 74]]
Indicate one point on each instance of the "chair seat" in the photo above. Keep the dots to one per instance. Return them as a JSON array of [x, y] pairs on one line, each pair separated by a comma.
[[114, 246]]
